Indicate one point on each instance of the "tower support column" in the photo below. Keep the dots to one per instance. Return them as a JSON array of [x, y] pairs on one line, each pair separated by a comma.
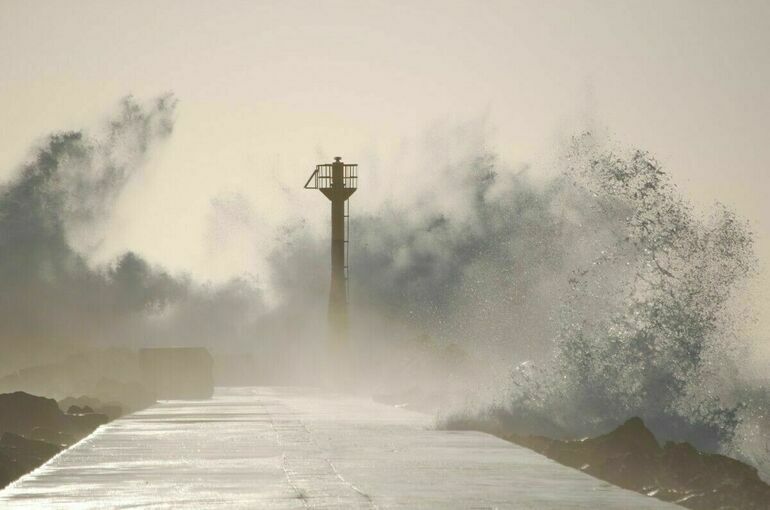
[[338, 298]]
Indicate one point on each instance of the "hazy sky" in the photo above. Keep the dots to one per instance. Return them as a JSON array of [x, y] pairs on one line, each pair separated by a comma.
[[268, 89]]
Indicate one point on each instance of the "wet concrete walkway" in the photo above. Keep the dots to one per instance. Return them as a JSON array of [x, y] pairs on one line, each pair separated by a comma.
[[289, 448]]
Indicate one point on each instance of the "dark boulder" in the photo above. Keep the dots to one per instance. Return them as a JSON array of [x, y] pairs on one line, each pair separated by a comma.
[[80, 425], [28, 449], [73, 409], [709, 480], [52, 436], [21, 412], [631, 457], [19, 455], [35, 429], [92, 405]]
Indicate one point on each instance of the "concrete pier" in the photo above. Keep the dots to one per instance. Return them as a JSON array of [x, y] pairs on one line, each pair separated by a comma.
[[288, 448]]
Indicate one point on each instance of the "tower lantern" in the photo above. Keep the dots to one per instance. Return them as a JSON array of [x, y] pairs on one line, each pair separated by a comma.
[[337, 181]]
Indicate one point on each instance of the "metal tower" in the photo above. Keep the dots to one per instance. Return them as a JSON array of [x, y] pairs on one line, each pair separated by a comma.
[[337, 181]]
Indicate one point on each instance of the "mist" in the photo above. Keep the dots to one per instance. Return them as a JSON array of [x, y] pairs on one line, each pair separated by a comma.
[[477, 286]]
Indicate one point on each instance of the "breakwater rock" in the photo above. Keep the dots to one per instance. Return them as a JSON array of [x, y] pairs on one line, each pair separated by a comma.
[[631, 457], [34, 429]]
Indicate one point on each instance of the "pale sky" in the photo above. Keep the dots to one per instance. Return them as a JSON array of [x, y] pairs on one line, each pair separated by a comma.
[[268, 89]]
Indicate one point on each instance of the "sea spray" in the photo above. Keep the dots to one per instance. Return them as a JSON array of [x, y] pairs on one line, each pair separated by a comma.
[[619, 294], [651, 326]]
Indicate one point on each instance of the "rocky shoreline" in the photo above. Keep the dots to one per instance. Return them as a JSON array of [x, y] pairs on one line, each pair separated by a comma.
[[631, 457], [33, 429]]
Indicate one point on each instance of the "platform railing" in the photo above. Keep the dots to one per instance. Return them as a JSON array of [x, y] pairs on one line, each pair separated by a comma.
[[322, 177]]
